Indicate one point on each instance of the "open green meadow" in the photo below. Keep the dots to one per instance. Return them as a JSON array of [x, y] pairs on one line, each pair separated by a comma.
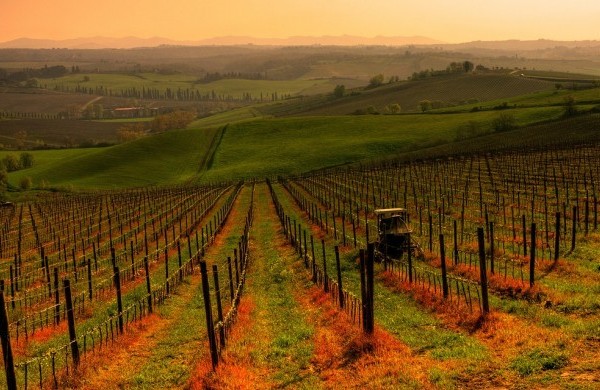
[[259, 147], [166, 158]]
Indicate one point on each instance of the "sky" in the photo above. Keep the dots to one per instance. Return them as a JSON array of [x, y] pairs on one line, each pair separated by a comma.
[[450, 21]]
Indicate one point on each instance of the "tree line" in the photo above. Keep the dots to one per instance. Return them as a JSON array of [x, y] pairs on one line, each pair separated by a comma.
[[179, 94], [161, 123]]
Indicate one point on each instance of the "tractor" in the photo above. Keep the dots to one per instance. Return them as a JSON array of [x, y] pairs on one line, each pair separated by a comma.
[[393, 238]]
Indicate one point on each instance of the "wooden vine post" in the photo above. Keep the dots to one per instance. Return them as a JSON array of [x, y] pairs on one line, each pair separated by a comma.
[[482, 271], [9, 366], [71, 322], [210, 328]]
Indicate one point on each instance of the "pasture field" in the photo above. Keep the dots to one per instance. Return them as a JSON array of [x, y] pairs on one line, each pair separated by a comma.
[[166, 158], [454, 89], [262, 147], [589, 96]]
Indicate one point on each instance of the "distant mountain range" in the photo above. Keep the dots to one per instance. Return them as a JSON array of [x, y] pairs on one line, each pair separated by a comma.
[[133, 42], [328, 40]]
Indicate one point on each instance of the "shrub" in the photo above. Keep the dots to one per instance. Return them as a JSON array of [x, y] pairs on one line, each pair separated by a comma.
[[505, 122], [25, 183], [26, 160]]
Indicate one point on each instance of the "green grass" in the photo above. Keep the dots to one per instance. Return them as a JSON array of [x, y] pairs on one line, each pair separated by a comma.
[[294, 145], [454, 89], [397, 313], [237, 115], [539, 360], [286, 343], [541, 98], [166, 158], [257, 147]]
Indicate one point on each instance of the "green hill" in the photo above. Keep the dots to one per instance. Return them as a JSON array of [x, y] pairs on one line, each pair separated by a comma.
[[266, 147], [455, 89], [252, 145], [165, 158]]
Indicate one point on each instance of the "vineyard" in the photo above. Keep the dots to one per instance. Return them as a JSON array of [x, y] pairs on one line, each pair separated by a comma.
[[287, 281]]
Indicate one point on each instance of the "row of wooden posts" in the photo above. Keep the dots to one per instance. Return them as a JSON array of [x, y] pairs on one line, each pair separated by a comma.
[[150, 294], [319, 275], [218, 333]]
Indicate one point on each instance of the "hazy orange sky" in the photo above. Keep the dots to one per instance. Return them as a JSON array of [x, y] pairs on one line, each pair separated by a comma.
[[446, 20]]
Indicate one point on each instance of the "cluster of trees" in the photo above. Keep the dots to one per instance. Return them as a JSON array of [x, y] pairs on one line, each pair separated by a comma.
[[173, 120], [170, 121], [453, 67], [12, 163], [427, 105], [131, 131], [29, 75], [216, 76], [376, 81], [390, 109]]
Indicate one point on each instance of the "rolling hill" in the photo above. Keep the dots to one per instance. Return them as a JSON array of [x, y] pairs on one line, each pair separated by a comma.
[[450, 89]]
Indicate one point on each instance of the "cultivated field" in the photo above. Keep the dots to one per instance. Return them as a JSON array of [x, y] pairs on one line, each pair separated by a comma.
[[245, 251], [289, 306]]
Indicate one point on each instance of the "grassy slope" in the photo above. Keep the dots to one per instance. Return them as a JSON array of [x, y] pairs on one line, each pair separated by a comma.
[[162, 159], [295, 145], [451, 89], [256, 145], [257, 148]]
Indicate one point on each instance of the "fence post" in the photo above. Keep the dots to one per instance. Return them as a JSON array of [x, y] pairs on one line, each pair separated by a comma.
[[524, 226], [212, 342], [492, 247], [56, 297], [148, 289], [219, 307], [557, 237], [119, 300], [325, 277], [532, 257], [132, 258], [230, 278], [9, 366], [574, 230], [237, 268], [410, 275], [363, 287], [89, 277], [314, 260], [305, 250], [455, 252], [482, 271], [180, 263], [339, 277], [370, 325], [444, 272], [71, 322]]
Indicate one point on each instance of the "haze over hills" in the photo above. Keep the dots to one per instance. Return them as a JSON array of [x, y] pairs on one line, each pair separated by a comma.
[[133, 42], [537, 48]]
